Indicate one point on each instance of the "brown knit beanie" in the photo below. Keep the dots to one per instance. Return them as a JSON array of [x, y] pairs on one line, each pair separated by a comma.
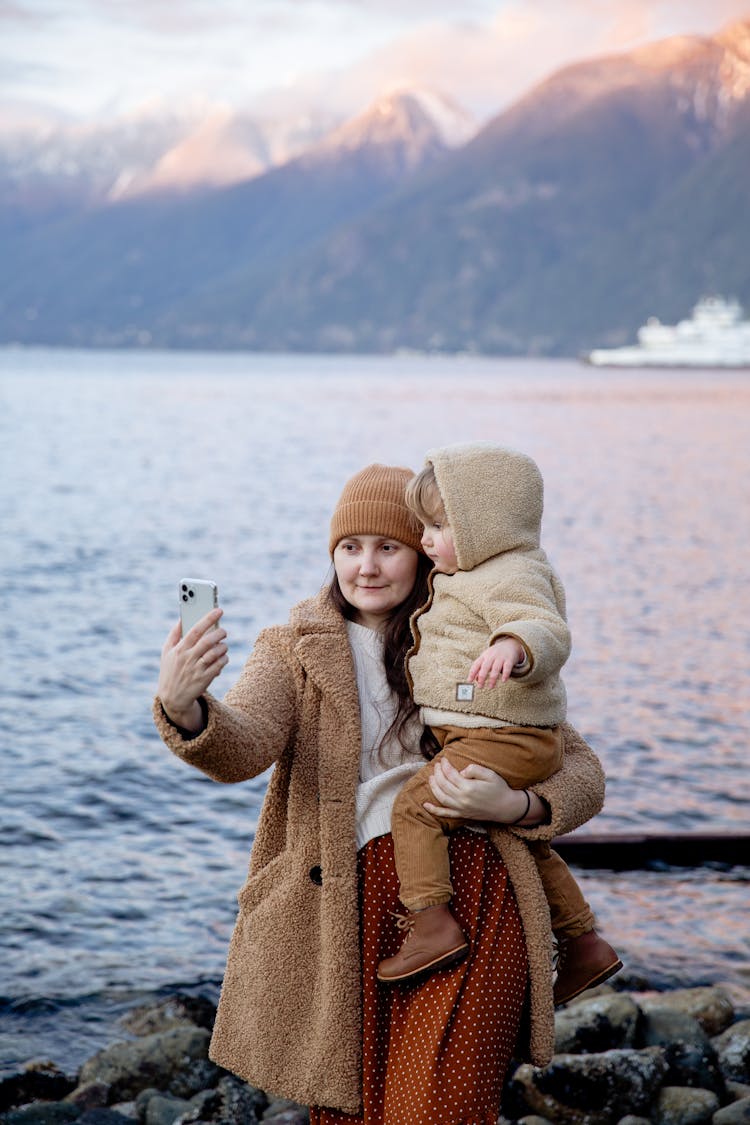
[[372, 503]]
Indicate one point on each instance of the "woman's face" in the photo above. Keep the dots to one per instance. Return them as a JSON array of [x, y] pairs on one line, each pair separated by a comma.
[[375, 575]]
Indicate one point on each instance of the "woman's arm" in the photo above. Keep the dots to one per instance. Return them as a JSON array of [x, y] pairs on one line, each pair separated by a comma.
[[558, 805], [476, 793], [574, 794], [252, 727], [188, 666]]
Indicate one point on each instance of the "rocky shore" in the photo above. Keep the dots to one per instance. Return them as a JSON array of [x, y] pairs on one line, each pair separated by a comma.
[[622, 1058]]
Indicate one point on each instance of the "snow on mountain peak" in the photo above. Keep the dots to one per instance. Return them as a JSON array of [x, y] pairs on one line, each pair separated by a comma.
[[455, 125], [212, 154], [735, 70], [412, 119]]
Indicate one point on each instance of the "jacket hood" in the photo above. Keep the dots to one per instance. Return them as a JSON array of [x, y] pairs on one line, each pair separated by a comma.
[[493, 499]]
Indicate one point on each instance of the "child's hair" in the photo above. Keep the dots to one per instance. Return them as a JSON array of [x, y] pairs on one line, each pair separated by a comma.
[[423, 497]]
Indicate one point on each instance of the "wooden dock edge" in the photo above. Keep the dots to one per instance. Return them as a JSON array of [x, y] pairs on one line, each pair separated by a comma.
[[628, 852]]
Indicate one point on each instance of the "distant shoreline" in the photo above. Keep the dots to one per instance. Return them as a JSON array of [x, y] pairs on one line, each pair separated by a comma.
[[634, 851]]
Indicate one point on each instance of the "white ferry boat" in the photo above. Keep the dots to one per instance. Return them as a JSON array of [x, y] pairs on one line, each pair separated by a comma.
[[714, 336]]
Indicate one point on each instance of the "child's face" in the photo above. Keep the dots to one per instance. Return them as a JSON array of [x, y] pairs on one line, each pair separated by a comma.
[[437, 543]]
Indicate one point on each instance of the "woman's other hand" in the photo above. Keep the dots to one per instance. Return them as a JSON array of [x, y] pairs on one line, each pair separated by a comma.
[[188, 666], [476, 793]]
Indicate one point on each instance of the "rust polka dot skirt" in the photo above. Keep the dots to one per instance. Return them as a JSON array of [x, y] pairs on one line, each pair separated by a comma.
[[436, 1053]]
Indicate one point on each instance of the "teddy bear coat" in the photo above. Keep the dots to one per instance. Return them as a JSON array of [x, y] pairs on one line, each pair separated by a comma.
[[504, 586], [289, 1016]]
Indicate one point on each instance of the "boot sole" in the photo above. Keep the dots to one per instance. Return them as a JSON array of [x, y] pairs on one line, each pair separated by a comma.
[[600, 978], [442, 962]]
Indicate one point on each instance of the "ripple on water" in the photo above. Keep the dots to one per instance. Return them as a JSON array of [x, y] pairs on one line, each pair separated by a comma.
[[123, 865]]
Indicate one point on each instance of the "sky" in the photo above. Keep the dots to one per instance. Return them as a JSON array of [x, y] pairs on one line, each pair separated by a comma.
[[93, 60]]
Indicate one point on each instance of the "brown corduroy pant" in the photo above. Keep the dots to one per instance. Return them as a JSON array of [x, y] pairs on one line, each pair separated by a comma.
[[522, 756]]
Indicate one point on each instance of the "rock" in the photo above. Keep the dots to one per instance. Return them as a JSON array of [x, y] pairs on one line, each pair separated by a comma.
[[282, 1111], [234, 1102], [711, 1007], [662, 1026], [737, 1090], [288, 1117], [155, 1108], [735, 1114], [677, 1105], [594, 1089], [733, 1049], [630, 1119], [533, 1119], [35, 1081], [692, 1065], [629, 981], [103, 1117], [200, 1075], [174, 1061], [590, 994], [176, 1011], [141, 1102], [42, 1113], [203, 1106], [91, 1095], [162, 1109], [596, 1025]]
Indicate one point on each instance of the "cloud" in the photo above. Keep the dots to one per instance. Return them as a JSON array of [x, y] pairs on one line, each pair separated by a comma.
[[22, 13], [184, 19], [319, 54], [165, 17], [488, 64]]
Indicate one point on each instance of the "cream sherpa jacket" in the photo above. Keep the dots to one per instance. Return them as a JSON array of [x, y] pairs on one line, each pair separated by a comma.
[[289, 1018], [504, 586]]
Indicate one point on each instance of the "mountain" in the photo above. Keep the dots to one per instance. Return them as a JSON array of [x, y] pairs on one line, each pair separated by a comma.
[[224, 147], [410, 127], [54, 167], [50, 166], [614, 190], [110, 274]]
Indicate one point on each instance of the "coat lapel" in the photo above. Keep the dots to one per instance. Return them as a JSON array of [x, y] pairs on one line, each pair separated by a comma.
[[327, 660]]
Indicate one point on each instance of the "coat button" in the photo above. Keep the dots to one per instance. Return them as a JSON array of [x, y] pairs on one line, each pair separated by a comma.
[[316, 874]]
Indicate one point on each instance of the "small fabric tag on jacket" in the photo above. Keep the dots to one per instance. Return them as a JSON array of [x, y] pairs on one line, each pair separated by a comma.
[[464, 693]]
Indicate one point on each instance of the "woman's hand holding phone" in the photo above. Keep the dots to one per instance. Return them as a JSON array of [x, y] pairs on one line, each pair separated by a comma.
[[189, 665]]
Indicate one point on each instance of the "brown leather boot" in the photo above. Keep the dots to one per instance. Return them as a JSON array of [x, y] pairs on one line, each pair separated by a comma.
[[434, 941], [583, 962]]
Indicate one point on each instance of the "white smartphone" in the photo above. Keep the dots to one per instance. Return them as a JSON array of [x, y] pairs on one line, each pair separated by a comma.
[[197, 597]]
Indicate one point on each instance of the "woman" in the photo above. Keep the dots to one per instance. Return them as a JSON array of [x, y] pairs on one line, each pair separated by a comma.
[[325, 699]]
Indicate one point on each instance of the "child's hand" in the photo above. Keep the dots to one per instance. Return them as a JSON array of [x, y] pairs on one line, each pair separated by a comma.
[[497, 662]]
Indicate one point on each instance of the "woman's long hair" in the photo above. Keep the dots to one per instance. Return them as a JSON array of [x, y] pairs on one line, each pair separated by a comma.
[[397, 642]]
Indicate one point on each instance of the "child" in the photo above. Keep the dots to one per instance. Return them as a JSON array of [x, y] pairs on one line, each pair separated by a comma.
[[484, 669]]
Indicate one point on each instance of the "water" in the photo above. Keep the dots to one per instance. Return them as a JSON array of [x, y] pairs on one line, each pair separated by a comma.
[[123, 472]]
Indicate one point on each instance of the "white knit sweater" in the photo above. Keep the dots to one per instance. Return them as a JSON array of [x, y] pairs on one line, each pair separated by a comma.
[[382, 768]]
